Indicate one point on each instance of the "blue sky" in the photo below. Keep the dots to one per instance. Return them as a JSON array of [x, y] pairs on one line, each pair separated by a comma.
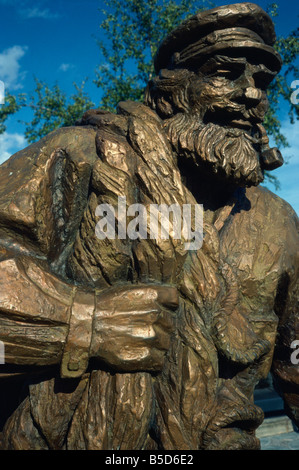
[[56, 41]]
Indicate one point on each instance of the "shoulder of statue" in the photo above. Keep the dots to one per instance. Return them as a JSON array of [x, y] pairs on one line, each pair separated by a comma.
[[138, 110], [77, 143], [118, 122], [103, 121], [45, 181], [124, 136], [272, 205], [276, 218]]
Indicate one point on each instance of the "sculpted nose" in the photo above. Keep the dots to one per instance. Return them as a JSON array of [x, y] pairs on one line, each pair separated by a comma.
[[253, 94], [248, 92], [246, 80], [249, 96]]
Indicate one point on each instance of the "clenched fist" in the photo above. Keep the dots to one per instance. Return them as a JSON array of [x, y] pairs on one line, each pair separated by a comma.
[[133, 325]]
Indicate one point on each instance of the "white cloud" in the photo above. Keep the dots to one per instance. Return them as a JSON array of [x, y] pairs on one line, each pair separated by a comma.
[[37, 12], [66, 67], [25, 9], [10, 144], [10, 67]]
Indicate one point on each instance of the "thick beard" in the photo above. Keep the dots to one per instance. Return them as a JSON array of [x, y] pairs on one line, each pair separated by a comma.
[[230, 154]]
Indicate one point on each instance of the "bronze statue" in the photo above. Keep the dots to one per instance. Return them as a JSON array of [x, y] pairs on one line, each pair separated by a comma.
[[120, 343]]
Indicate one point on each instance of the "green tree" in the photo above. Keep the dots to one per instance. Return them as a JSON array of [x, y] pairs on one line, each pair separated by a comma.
[[52, 109], [11, 105], [288, 48], [133, 30], [279, 90]]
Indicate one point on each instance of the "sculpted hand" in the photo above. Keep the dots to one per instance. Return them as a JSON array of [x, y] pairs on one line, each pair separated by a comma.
[[132, 327]]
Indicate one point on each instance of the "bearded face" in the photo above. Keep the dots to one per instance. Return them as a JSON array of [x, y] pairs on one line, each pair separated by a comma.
[[214, 116]]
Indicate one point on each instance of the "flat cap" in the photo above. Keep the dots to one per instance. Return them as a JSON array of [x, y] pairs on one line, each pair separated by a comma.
[[241, 25]]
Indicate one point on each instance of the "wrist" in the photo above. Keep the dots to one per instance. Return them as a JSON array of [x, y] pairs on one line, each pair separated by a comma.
[[77, 347]]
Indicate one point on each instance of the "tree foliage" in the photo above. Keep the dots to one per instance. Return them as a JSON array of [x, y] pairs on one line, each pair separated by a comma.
[[288, 48], [133, 30], [11, 105], [52, 108]]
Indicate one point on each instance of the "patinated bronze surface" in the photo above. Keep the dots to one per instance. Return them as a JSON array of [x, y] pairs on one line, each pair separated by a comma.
[[142, 344]]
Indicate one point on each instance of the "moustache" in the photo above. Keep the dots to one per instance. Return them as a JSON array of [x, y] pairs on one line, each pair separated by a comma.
[[250, 104]]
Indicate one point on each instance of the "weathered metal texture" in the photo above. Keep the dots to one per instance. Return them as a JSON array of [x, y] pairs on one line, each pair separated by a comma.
[[144, 344]]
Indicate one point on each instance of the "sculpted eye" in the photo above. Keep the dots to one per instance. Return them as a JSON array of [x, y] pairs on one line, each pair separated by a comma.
[[226, 74], [263, 79]]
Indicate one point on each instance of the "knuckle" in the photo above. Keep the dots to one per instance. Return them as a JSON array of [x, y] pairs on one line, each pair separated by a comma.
[[169, 297]]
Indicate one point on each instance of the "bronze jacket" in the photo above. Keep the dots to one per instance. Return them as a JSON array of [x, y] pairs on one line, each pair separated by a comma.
[[238, 311]]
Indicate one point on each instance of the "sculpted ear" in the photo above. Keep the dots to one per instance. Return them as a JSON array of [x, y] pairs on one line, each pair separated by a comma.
[[167, 93], [164, 108], [158, 100]]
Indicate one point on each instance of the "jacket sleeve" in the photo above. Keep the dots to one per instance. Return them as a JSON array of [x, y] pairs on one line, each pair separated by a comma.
[[43, 193], [35, 310]]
